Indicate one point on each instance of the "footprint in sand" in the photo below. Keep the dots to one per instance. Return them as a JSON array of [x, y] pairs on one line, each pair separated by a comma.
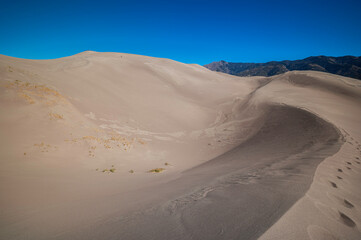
[[346, 220], [339, 177], [333, 184], [347, 204], [349, 163], [340, 200], [339, 170], [336, 215]]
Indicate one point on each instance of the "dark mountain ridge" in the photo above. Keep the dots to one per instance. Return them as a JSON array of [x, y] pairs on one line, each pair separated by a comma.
[[349, 66]]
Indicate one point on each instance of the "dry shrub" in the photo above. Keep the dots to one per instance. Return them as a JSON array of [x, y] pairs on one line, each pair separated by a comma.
[[156, 170], [55, 116]]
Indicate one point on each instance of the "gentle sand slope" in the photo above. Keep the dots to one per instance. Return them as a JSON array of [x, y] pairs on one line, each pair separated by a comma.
[[237, 158]]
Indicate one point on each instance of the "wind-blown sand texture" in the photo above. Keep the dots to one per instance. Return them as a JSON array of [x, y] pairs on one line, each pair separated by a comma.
[[120, 146]]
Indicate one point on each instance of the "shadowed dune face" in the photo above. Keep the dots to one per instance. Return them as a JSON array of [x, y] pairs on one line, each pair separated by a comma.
[[119, 146], [268, 170], [213, 199], [280, 124]]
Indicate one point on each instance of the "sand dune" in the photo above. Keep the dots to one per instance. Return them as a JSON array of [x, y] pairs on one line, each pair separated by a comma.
[[236, 158]]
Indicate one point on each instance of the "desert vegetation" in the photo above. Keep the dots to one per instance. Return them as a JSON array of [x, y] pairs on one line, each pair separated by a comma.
[[33, 92], [44, 147], [156, 170], [108, 141], [106, 170], [55, 116]]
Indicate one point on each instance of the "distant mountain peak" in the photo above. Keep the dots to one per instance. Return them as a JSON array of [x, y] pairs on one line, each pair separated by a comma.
[[349, 66]]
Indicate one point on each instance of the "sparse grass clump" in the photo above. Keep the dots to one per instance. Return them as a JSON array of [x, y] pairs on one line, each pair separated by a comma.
[[32, 91], [55, 116], [45, 147], [156, 170], [106, 170], [167, 164], [131, 171], [110, 143], [27, 98]]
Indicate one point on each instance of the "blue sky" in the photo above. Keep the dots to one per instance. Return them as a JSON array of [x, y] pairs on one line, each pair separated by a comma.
[[188, 31]]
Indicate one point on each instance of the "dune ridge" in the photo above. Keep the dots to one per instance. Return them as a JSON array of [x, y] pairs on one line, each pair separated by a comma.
[[241, 158]]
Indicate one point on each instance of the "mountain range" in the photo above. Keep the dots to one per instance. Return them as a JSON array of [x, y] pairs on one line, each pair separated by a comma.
[[349, 66]]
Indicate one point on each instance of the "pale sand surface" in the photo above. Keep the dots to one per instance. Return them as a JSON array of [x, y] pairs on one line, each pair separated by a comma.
[[247, 158]]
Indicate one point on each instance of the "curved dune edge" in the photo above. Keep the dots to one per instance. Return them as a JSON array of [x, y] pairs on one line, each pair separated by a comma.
[[236, 189], [331, 207]]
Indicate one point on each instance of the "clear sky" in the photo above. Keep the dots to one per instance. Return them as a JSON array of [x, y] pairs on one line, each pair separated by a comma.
[[198, 31]]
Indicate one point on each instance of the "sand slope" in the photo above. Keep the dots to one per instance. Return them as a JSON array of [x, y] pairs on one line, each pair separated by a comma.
[[241, 158]]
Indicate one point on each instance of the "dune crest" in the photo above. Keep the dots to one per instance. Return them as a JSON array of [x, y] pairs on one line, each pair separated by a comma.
[[113, 145]]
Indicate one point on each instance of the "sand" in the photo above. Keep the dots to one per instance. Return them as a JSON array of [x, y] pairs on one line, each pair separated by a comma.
[[238, 158]]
